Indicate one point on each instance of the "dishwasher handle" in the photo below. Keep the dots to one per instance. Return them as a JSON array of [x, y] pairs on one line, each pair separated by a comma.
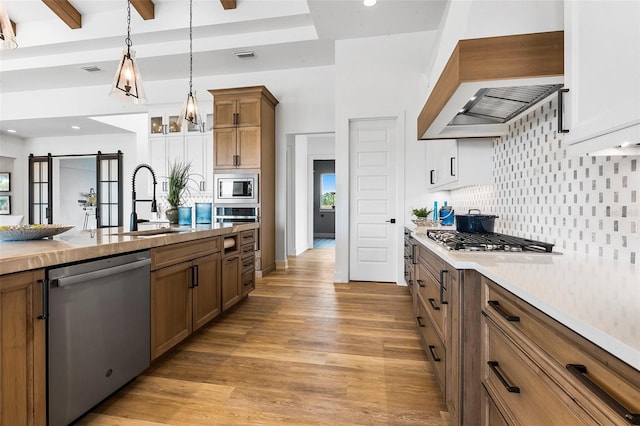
[[102, 273]]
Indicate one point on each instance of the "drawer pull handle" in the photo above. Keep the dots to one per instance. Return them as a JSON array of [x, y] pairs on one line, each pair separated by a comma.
[[496, 306], [433, 353], [421, 283], [420, 323], [442, 301], [580, 372], [432, 302], [561, 128], [493, 365]]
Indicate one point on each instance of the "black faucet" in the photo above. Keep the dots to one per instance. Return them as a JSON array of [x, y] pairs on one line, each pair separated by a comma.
[[133, 226]]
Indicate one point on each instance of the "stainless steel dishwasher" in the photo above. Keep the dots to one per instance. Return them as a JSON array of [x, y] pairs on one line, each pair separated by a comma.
[[98, 331]]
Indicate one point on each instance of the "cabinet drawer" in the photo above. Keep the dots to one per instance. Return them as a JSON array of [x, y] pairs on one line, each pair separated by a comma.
[[247, 250], [247, 237], [559, 347], [180, 252], [524, 393], [429, 289], [430, 261], [432, 343], [248, 282], [248, 264]]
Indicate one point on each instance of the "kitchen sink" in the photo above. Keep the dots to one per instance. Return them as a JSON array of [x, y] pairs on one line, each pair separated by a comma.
[[150, 232]]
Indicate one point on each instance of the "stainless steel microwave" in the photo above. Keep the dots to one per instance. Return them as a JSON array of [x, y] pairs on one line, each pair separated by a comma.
[[236, 188]]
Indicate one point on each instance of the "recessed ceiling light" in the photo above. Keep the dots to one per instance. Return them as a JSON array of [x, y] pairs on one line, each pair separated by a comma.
[[245, 54], [625, 144], [75, 127], [11, 131], [369, 3]]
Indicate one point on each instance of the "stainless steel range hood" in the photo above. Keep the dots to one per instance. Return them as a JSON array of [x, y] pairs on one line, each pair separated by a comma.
[[489, 82]]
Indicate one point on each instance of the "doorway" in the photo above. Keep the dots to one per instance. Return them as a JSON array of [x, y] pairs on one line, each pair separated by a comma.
[[81, 190], [324, 213]]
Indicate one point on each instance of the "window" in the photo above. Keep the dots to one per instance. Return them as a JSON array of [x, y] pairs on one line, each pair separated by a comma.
[[328, 191]]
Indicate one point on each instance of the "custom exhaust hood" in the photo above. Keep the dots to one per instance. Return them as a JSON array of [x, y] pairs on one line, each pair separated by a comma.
[[489, 82]]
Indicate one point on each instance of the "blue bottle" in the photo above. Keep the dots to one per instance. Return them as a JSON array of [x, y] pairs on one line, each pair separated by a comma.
[[435, 210], [184, 216]]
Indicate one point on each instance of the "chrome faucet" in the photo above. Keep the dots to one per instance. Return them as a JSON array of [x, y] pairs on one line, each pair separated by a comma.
[[133, 226]]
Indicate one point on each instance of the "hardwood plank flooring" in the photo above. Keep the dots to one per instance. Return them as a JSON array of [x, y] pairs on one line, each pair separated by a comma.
[[300, 350]]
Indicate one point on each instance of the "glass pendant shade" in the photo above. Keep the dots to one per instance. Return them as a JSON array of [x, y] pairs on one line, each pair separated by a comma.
[[7, 36], [191, 111], [127, 83]]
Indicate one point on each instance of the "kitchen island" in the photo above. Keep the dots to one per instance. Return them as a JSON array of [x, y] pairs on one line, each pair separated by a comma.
[[196, 274]]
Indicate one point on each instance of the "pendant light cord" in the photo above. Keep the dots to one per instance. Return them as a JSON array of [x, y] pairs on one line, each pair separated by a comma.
[[190, 47], [128, 39]]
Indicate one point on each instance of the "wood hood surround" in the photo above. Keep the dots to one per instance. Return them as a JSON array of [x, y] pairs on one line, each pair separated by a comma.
[[505, 61]]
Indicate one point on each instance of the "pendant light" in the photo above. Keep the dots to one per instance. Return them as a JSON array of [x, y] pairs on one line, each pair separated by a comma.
[[190, 110], [127, 83], [7, 36]]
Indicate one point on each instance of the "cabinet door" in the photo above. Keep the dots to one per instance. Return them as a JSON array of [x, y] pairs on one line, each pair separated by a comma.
[[171, 307], [248, 148], [248, 112], [197, 151], [602, 58], [158, 162], [448, 161], [231, 285], [223, 113], [175, 149], [206, 292], [224, 142], [22, 345]]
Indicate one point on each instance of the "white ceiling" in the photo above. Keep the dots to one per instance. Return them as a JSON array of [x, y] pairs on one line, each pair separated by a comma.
[[283, 34]]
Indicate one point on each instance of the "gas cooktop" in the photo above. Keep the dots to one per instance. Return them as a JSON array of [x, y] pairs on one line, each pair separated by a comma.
[[464, 241]]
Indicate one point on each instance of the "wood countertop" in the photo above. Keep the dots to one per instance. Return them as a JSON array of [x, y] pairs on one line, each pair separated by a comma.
[[76, 245]]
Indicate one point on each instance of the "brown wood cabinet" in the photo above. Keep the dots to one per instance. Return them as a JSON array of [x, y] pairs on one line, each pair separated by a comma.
[[244, 138], [448, 317], [537, 371], [238, 268], [22, 350], [184, 295]]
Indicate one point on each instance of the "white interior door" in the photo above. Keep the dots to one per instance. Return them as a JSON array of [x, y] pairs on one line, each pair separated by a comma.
[[372, 242]]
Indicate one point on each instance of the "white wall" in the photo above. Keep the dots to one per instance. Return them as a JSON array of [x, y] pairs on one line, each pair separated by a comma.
[[301, 219], [12, 151], [379, 77]]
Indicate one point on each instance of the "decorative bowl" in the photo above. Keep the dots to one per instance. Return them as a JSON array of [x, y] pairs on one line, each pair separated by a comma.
[[30, 232], [423, 223]]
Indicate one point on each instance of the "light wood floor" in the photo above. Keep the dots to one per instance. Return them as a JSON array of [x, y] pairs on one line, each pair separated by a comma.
[[300, 350]]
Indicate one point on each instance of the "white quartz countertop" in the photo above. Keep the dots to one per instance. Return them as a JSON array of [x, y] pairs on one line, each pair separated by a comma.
[[595, 297]]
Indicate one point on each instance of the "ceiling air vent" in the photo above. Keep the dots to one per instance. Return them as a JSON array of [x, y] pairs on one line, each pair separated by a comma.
[[245, 54], [91, 68]]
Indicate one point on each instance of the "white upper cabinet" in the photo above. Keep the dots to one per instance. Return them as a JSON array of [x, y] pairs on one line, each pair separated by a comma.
[[455, 163], [602, 74]]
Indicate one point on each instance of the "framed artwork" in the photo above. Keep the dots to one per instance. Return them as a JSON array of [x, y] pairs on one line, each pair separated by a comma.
[[5, 181], [5, 204]]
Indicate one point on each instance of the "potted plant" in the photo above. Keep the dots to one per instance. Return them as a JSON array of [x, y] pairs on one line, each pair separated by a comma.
[[422, 220], [179, 175]]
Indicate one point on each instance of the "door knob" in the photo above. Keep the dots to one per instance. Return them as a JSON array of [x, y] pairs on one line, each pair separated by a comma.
[[391, 221]]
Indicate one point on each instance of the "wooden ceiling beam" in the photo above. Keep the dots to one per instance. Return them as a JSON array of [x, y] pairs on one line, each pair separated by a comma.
[[228, 4], [145, 8], [66, 12]]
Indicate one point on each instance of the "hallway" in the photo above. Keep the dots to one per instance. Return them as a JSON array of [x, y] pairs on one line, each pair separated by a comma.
[[300, 350]]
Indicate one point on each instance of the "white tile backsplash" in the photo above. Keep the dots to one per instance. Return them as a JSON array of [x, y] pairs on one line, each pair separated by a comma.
[[583, 204]]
